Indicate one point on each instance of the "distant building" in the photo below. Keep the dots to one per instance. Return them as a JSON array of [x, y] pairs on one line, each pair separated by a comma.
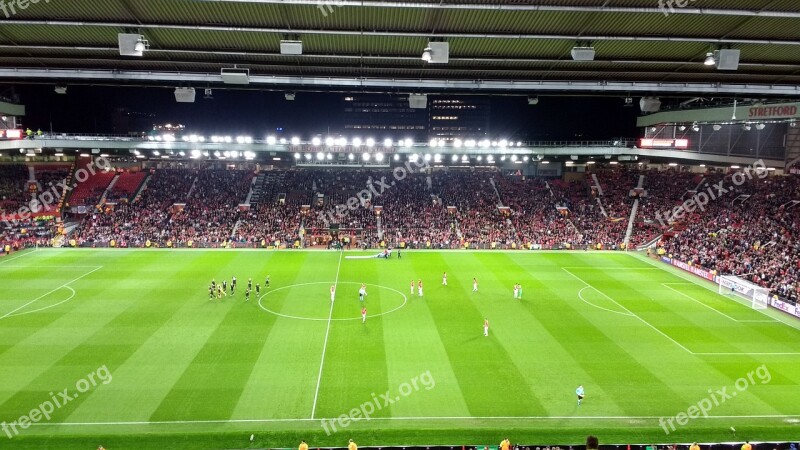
[[381, 116], [459, 116]]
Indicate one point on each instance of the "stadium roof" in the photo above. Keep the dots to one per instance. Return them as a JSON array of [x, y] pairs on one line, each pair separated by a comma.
[[499, 46]]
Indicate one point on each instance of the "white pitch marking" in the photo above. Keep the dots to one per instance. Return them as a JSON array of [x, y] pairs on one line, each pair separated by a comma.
[[47, 307], [580, 295], [320, 319], [45, 295], [325, 345], [631, 312], [233, 421]]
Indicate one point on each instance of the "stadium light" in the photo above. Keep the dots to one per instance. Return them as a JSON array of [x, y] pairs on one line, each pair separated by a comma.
[[480, 158], [408, 142], [590, 162], [504, 143], [379, 157], [297, 156], [432, 143], [387, 142], [240, 139], [427, 54], [470, 143], [441, 142], [709, 61], [316, 141], [329, 141], [308, 155], [455, 158], [295, 140], [396, 157], [370, 142], [356, 142], [329, 156], [351, 157], [427, 156], [413, 157], [283, 140], [513, 157], [341, 142], [228, 139], [320, 156], [457, 143], [484, 143], [365, 156]]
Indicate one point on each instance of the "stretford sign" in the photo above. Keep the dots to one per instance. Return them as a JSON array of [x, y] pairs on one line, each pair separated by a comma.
[[772, 111], [756, 112]]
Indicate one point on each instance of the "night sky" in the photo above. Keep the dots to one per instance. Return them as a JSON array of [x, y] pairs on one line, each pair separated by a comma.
[[89, 109]]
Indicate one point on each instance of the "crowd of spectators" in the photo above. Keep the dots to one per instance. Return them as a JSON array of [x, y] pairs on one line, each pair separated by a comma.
[[749, 231], [13, 192], [754, 237]]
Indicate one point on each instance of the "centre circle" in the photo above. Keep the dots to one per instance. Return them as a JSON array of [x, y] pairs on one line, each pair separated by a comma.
[[321, 295]]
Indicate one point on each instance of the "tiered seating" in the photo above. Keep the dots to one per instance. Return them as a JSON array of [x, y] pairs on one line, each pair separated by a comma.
[[13, 192], [89, 191], [755, 237], [126, 186]]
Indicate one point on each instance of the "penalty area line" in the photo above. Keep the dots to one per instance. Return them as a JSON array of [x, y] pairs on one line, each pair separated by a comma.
[[10, 313]]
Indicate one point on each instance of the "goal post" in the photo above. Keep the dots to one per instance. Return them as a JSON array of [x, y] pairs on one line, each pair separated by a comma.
[[756, 295]]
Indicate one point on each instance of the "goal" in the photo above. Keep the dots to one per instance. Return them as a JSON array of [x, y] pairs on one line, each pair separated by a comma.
[[735, 286]]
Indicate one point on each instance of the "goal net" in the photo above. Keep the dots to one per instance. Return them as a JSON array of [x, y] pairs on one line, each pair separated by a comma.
[[756, 295]]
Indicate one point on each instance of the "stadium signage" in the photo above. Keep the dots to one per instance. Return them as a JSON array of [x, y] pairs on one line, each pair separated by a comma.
[[11, 134], [691, 269], [785, 307], [775, 111], [664, 143]]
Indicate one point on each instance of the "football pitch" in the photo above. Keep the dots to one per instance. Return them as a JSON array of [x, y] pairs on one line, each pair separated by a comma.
[[124, 348]]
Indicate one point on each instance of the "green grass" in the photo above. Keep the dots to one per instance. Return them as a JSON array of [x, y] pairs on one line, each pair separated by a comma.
[[645, 340]]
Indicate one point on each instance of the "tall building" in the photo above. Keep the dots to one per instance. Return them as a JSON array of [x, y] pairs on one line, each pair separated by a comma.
[[459, 116], [381, 115]]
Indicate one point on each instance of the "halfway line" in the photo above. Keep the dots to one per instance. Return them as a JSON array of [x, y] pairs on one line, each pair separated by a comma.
[[327, 333]]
